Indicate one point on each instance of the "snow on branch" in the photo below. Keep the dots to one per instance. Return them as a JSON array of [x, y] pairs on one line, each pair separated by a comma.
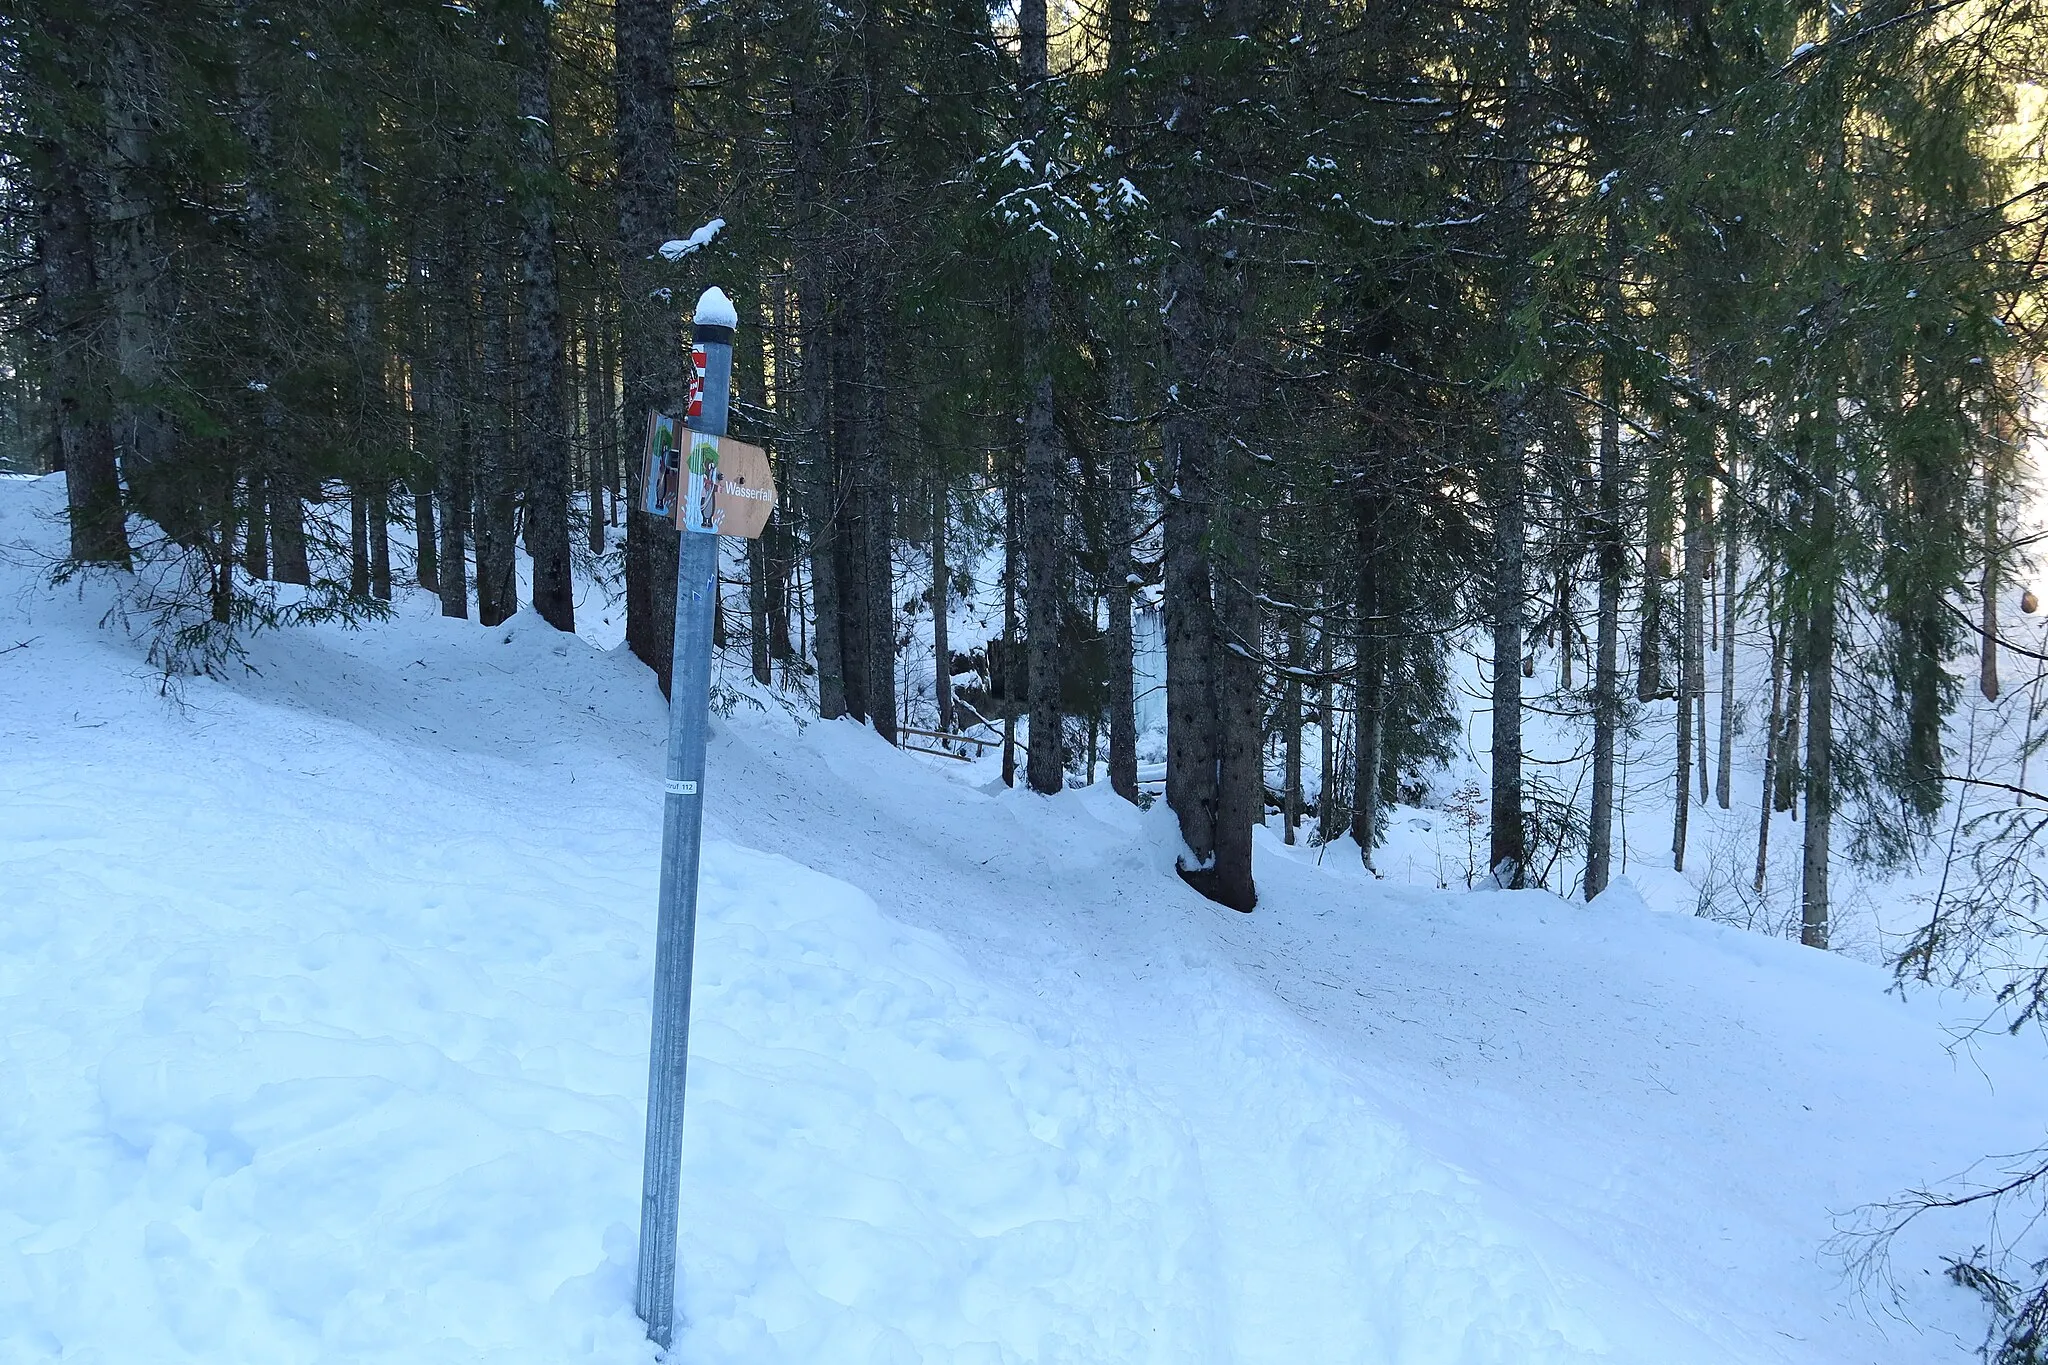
[[683, 246]]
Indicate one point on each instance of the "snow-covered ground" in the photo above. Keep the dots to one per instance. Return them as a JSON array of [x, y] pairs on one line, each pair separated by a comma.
[[323, 1023]]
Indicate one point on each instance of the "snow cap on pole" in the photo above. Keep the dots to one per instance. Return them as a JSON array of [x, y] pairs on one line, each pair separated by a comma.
[[714, 309]]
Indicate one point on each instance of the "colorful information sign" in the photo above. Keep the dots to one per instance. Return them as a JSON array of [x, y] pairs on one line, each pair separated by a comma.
[[661, 466], [731, 490]]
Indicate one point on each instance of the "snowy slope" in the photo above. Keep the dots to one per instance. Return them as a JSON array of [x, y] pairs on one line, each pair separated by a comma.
[[323, 1021]]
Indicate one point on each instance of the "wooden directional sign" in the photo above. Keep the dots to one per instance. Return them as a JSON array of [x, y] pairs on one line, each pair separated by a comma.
[[730, 491], [661, 466]]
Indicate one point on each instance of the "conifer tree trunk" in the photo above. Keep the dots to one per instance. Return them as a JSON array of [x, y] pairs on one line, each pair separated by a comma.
[[1507, 853], [1772, 741], [849, 541], [454, 566], [1291, 734], [942, 649], [1786, 797], [1987, 592], [1690, 661], [1326, 733], [493, 459], [449, 342], [1562, 614], [650, 338], [222, 554], [1212, 768], [1681, 814], [288, 559], [1045, 761], [135, 265], [77, 361], [255, 533], [426, 560], [358, 542], [817, 467], [820, 484], [1657, 538], [597, 424], [1119, 503], [544, 431], [365, 373], [285, 480], [750, 387], [1241, 767], [1731, 562], [874, 488], [423, 431], [1694, 685], [779, 542], [1003, 671], [1699, 701], [1117, 533], [1192, 742], [1820, 730], [1368, 691], [1610, 553], [380, 541]]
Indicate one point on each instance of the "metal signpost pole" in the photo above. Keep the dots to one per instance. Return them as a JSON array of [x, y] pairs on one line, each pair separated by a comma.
[[682, 833]]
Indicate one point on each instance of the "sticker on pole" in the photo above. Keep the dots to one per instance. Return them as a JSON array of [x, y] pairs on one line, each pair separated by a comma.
[[697, 364], [731, 490], [661, 466]]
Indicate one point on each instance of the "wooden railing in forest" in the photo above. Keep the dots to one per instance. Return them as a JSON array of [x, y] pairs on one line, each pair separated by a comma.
[[941, 736]]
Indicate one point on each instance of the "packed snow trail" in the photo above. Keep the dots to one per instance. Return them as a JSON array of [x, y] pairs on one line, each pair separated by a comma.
[[323, 1014]]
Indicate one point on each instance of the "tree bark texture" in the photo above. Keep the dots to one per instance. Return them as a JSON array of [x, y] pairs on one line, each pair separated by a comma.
[[1610, 556], [1045, 761], [1771, 744], [942, 648], [650, 339], [493, 458], [1118, 589], [80, 366], [1508, 853], [1731, 568], [544, 426]]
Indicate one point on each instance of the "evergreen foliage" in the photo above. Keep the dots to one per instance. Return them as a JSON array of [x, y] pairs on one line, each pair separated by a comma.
[[1367, 334]]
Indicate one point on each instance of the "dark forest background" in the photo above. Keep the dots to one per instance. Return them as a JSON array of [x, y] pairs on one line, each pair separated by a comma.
[[1582, 331]]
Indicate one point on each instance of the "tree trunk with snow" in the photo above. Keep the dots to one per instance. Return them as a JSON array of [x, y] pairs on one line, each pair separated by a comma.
[[650, 339], [1118, 588], [1002, 672], [597, 428], [493, 460], [1368, 690], [1988, 583], [1045, 762], [1731, 564], [942, 605], [1610, 557], [816, 471], [544, 426], [1772, 741], [1290, 733], [1650, 680], [79, 364], [1814, 907], [1507, 851], [1786, 797], [1326, 732]]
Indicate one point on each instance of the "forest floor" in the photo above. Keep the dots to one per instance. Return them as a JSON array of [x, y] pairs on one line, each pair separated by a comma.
[[323, 1028]]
